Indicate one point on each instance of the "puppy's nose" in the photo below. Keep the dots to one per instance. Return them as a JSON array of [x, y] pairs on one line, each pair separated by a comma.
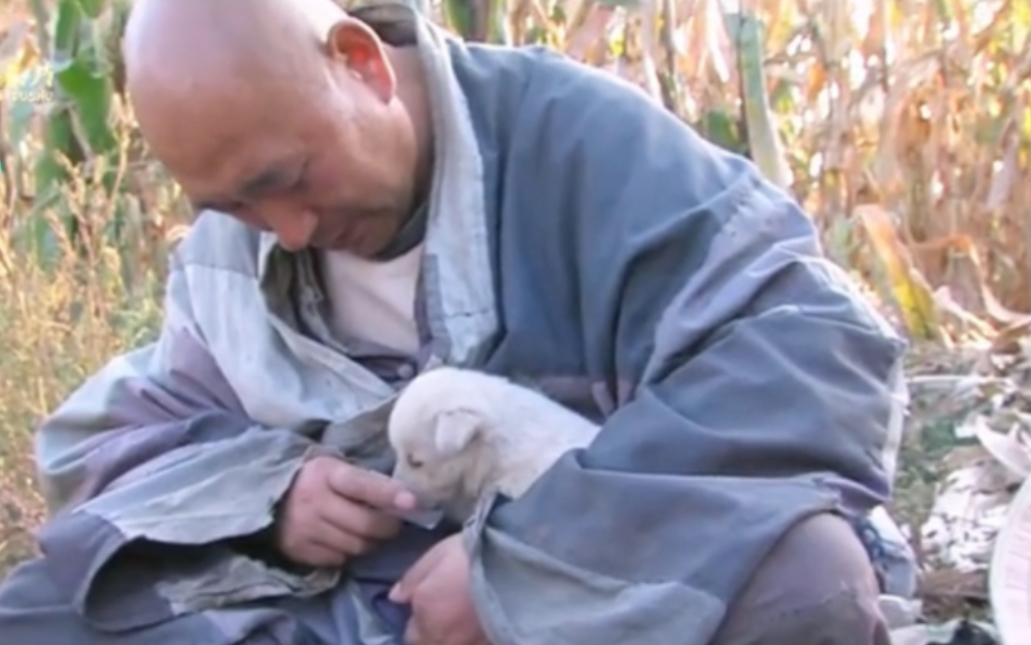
[[427, 518], [426, 502]]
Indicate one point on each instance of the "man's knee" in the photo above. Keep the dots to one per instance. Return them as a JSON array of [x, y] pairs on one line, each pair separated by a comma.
[[816, 587], [34, 609], [30, 599]]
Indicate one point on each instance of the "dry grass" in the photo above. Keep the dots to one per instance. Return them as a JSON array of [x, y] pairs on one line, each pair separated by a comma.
[[64, 310], [907, 128]]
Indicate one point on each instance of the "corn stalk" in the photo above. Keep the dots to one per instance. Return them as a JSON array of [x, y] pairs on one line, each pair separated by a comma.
[[78, 44]]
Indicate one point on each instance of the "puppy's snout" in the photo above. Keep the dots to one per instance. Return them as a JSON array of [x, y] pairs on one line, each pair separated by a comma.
[[427, 514], [421, 497], [426, 518], [424, 500], [428, 504]]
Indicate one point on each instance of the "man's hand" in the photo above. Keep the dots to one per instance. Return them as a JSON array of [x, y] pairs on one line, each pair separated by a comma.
[[437, 587], [330, 512]]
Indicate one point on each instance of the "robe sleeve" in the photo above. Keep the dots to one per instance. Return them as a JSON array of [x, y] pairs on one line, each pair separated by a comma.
[[154, 448], [764, 388]]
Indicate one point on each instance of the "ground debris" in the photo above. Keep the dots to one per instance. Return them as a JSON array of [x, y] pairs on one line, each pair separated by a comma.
[[955, 632], [965, 456], [969, 509]]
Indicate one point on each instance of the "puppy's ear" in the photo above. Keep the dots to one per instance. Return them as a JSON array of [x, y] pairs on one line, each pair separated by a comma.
[[455, 430]]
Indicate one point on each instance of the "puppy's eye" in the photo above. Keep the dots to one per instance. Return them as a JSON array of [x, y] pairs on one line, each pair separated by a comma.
[[413, 462]]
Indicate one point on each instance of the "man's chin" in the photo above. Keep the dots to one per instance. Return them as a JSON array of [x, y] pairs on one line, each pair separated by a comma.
[[370, 247], [353, 244], [362, 243]]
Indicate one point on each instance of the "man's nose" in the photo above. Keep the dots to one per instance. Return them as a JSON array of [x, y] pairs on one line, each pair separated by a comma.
[[294, 227]]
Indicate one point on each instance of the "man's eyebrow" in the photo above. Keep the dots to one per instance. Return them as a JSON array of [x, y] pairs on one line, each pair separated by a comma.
[[276, 176]]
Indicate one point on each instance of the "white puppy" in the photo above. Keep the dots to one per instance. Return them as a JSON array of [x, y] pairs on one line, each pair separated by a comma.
[[458, 434]]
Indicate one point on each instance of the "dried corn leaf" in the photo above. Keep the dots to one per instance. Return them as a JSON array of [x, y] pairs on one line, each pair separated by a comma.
[[16, 54], [1009, 582], [1011, 449], [1006, 170], [909, 289]]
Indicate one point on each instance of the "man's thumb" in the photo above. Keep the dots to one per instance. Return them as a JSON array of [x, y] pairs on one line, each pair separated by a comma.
[[399, 593], [413, 577]]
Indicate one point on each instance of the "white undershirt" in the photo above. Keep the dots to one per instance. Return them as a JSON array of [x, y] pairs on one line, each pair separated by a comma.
[[373, 301]]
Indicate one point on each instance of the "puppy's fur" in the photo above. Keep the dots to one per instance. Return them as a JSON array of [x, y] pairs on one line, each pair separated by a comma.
[[458, 434]]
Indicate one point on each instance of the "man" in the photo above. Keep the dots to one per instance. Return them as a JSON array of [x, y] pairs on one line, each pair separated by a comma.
[[378, 199]]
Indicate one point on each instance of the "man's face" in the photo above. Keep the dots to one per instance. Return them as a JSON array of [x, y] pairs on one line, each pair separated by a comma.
[[326, 162]]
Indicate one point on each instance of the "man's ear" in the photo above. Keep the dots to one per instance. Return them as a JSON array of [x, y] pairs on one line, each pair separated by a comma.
[[355, 44], [455, 430]]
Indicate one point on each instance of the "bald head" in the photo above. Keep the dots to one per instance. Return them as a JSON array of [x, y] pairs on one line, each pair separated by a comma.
[[288, 114], [183, 55], [185, 45]]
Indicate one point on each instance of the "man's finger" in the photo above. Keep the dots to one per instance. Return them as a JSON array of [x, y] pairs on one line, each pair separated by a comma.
[[372, 488], [405, 587], [320, 555], [362, 521], [340, 541]]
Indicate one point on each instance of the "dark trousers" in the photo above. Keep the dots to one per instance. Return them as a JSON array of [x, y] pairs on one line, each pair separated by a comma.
[[816, 587]]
